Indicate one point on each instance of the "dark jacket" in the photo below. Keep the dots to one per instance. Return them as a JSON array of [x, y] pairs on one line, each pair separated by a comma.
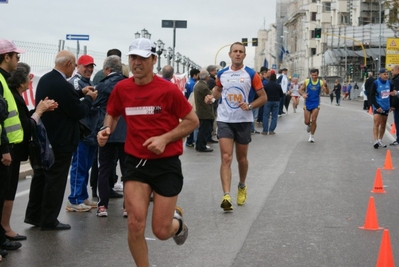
[[337, 88], [62, 124], [204, 111], [21, 150], [104, 89], [368, 84], [395, 86], [273, 91]]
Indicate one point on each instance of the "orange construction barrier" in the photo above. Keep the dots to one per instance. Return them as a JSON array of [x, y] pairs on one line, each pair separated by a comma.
[[378, 185], [371, 110], [371, 220], [385, 256], [393, 128], [388, 161]]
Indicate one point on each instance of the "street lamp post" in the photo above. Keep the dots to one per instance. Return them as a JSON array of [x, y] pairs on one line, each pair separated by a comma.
[[168, 53], [379, 37], [183, 62], [178, 59], [160, 46], [144, 34]]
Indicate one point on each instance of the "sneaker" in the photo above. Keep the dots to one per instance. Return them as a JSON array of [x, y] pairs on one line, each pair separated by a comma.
[[255, 132], [90, 203], [182, 236], [102, 211], [264, 133], [381, 144], [395, 143], [124, 213], [77, 207], [118, 187], [311, 139], [189, 145], [376, 145], [226, 203], [242, 195]]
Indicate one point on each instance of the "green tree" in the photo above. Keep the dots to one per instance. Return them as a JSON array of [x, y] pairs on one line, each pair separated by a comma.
[[392, 18]]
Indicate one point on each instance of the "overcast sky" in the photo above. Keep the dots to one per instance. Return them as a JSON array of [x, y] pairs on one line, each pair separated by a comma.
[[112, 24]]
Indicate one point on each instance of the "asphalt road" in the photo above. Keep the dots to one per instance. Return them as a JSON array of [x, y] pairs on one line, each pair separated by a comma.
[[305, 203]]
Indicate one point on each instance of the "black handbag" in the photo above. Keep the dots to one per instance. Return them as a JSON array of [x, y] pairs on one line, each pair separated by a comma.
[[41, 155]]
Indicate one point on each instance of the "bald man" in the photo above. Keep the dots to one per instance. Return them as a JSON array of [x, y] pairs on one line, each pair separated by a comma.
[[48, 186]]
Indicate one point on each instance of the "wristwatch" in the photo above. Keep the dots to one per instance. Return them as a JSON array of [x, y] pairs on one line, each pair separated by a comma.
[[103, 128], [250, 107]]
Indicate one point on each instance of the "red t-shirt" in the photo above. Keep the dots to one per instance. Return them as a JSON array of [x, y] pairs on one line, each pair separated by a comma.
[[149, 110]]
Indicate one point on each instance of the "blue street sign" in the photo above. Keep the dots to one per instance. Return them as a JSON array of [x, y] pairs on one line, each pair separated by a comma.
[[274, 66], [3, 1], [79, 37]]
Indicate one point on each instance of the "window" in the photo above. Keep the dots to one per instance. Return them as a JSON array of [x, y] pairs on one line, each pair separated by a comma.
[[312, 51], [326, 6], [312, 34], [313, 16], [345, 18]]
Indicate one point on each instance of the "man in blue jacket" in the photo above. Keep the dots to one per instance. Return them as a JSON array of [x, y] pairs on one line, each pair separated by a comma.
[[82, 159]]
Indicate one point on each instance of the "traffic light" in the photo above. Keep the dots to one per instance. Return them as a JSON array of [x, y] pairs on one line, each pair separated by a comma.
[[244, 41], [254, 41], [317, 32]]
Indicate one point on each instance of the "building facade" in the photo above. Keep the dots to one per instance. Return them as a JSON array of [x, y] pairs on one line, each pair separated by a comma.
[[339, 37]]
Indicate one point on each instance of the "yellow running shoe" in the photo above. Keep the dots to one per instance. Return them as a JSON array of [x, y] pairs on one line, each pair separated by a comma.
[[242, 195], [226, 205]]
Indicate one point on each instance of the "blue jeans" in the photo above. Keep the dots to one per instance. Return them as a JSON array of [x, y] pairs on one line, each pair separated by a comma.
[[255, 113], [82, 161], [270, 107]]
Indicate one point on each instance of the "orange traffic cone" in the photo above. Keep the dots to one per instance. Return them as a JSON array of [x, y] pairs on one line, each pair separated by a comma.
[[393, 128], [378, 185], [385, 256], [371, 110], [388, 161], [371, 220]]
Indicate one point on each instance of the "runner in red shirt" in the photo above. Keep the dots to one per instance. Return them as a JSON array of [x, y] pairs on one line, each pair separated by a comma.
[[152, 108]]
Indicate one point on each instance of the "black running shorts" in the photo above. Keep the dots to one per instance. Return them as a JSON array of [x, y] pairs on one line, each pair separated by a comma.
[[239, 132], [163, 175]]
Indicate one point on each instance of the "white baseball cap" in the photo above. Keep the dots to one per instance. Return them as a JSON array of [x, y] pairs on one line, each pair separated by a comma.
[[142, 47]]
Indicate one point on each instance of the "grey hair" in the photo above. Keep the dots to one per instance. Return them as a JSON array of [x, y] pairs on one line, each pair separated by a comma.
[[370, 74], [19, 76], [113, 63], [168, 71], [211, 68], [203, 74], [63, 57]]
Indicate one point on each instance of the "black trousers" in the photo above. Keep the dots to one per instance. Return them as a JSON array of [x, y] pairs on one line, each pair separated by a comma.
[[107, 167], [204, 127], [47, 191], [4, 178]]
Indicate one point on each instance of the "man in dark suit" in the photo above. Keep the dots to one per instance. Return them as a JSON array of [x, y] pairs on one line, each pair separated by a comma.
[[368, 84], [48, 186], [204, 111]]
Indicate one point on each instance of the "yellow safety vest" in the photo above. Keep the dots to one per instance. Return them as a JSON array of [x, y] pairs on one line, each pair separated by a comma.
[[12, 125]]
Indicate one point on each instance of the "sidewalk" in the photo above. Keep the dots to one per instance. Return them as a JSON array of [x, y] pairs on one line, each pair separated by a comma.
[[25, 170]]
